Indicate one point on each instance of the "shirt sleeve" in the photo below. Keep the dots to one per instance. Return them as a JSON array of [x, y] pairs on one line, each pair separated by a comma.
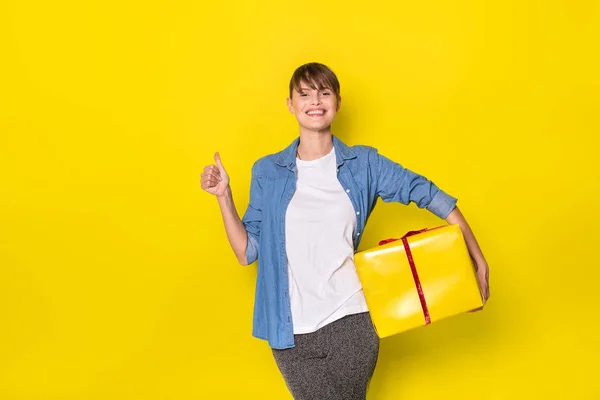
[[398, 184], [253, 217]]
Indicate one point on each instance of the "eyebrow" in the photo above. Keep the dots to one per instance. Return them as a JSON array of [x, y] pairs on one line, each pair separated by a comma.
[[303, 89]]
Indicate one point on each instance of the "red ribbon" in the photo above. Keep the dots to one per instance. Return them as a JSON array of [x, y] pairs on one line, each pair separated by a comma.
[[413, 268]]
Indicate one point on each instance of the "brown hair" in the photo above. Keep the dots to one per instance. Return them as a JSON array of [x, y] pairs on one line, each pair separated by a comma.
[[317, 76]]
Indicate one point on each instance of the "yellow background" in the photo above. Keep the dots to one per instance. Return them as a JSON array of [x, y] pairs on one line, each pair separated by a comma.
[[116, 279]]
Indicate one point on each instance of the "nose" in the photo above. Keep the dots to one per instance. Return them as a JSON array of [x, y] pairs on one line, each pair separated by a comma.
[[316, 99]]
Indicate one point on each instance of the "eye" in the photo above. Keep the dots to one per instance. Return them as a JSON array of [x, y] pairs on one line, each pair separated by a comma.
[[303, 94], [326, 93]]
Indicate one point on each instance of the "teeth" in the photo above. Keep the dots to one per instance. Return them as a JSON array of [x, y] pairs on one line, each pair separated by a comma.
[[315, 112]]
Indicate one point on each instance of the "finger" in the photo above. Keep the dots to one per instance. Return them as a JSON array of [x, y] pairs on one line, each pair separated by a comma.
[[211, 168], [210, 179], [209, 182], [215, 173], [219, 163], [215, 177], [212, 173]]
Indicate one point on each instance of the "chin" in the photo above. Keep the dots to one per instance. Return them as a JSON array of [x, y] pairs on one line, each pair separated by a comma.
[[318, 129]]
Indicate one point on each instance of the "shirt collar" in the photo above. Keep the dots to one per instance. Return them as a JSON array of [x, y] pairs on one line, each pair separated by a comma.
[[287, 157]]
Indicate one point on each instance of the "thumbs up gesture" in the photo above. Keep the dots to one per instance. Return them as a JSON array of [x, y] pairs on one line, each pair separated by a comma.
[[214, 179]]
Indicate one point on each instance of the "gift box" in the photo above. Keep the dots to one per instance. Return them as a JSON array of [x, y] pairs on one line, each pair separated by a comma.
[[423, 277]]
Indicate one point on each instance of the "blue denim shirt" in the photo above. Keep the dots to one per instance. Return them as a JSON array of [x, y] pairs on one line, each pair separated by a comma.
[[366, 176]]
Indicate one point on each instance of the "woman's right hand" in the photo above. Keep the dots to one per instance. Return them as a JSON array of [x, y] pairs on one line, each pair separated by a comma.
[[214, 179]]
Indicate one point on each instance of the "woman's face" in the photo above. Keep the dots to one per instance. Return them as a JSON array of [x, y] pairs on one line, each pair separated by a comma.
[[314, 109]]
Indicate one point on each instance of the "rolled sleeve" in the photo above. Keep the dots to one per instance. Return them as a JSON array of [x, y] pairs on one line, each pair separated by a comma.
[[442, 204], [251, 249], [253, 217], [398, 184]]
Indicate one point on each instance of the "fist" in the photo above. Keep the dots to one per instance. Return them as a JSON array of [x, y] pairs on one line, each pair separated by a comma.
[[214, 179]]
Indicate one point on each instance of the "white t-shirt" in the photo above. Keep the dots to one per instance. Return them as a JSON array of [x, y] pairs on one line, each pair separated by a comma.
[[320, 221]]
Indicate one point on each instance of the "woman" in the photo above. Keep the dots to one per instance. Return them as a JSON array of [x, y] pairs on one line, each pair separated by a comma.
[[308, 207]]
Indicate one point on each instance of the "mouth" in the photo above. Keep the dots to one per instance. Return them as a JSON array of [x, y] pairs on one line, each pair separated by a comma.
[[318, 112]]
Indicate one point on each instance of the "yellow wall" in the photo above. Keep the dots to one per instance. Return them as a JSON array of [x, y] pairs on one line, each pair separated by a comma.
[[116, 280]]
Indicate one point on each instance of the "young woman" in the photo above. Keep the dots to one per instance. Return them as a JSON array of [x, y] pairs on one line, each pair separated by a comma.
[[309, 205]]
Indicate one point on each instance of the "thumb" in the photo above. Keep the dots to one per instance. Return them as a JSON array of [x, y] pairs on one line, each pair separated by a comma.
[[219, 163]]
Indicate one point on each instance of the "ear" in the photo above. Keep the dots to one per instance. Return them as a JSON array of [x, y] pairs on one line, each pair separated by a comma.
[[339, 104], [289, 105]]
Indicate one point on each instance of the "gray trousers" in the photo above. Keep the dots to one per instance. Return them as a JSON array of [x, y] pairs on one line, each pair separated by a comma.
[[335, 362]]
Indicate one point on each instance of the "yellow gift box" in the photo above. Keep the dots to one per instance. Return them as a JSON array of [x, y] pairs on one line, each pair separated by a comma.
[[424, 277]]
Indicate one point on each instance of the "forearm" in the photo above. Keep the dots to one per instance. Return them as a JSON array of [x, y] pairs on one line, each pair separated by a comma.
[[235, 229], [456, 217]]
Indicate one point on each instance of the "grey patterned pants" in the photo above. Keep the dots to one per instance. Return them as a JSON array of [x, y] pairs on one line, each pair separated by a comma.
[[334, 363]]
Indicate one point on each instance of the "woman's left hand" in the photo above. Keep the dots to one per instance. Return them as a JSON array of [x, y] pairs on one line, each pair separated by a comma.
[[483, 278]]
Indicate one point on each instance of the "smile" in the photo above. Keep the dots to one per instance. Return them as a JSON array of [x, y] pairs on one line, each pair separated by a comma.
[[315, 112]]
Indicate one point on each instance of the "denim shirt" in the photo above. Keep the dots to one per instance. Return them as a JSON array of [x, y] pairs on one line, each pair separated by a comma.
[[364, 174]]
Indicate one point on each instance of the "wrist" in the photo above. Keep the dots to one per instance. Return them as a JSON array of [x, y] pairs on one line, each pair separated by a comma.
[[226, 195]]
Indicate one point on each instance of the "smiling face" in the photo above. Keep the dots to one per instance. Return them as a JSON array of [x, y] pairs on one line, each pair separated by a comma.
[[314, 107], [314, 97]]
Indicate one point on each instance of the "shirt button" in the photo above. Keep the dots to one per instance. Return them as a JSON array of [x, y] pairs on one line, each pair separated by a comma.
[[358, 213], [357, 233], [347, 190]]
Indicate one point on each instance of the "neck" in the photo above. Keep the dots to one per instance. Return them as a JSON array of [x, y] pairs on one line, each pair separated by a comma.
[[314, 145]]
